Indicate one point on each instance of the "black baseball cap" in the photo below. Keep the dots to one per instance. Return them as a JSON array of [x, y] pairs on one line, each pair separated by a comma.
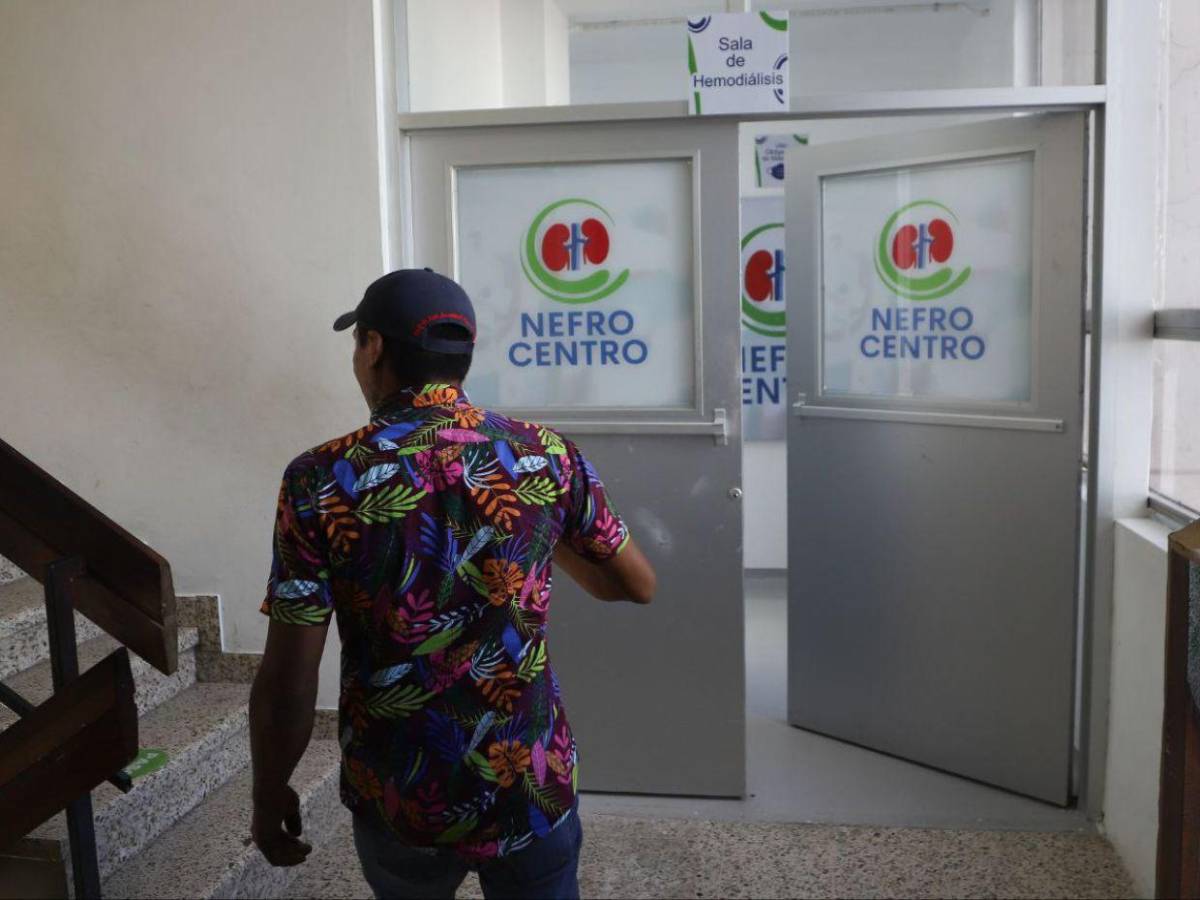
[[405, 303]]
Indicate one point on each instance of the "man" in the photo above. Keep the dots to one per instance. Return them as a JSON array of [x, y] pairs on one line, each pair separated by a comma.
[[430, 534]]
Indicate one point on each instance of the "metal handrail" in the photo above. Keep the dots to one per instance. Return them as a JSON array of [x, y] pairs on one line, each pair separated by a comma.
[[1177, 324]]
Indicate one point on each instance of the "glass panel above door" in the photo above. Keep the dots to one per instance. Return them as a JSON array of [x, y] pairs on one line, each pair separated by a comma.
[[462, 54]]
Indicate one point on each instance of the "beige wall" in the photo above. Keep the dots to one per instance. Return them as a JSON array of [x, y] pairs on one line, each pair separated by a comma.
[[190, 194]]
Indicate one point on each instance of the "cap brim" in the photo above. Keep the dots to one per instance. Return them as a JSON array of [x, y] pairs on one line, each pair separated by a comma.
[[345, 320]]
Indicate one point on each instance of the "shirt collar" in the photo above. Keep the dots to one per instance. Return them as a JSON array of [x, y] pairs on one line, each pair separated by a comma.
[[444, 395]]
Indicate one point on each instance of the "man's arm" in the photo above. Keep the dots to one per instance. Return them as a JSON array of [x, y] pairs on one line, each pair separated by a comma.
[[626, 576], [282, 705]]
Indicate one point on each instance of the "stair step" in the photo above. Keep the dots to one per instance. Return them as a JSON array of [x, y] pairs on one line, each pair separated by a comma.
[[152, 686], [23, 638], [204, 732], [208, 852]]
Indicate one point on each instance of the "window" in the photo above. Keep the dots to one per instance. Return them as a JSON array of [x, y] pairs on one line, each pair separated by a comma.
[[473, 54], [1175, 460]]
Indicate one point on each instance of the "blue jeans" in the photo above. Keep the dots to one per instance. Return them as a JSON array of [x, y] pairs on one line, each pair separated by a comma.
[[547, 868]]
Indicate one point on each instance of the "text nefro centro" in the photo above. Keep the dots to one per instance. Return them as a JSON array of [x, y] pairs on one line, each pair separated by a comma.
[[922, 332], [578, 338]]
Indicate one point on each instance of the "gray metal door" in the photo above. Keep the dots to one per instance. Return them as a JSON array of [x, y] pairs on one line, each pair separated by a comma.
[[935, 445], [601, 258]]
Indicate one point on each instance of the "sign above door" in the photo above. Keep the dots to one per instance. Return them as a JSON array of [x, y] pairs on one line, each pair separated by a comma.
[[738, 62]]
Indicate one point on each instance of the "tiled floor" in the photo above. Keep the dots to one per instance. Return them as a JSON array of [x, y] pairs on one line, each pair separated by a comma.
[[628, 858], [969, 841]]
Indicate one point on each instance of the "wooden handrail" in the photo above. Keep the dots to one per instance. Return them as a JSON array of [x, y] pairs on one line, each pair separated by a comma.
[[125, 588], [1178, 870], [67, 746]]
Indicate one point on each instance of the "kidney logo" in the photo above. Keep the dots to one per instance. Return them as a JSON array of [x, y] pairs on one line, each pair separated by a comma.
[[764, 309], [915, 251], [566, 252]]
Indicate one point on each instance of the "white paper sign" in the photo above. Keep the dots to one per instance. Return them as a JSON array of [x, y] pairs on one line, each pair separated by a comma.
[[738, 62], [927, 281], [769, 153], [763, 304], [582, 280]]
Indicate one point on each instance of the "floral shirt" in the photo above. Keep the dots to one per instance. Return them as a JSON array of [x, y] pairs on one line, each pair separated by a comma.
[[429, 533]]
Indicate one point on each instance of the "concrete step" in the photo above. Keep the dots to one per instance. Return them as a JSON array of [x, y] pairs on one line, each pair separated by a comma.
[[152, 687], [204, 732], [23, 640], [208, 852]]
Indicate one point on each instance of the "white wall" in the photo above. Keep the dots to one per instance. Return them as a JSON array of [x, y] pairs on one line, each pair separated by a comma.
[[454, 54], [480, 54], [1136, 702], [764, 482], [190, 196], [533, 53]]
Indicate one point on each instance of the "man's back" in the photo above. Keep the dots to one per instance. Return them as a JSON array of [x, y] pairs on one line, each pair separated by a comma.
[[431, 533]]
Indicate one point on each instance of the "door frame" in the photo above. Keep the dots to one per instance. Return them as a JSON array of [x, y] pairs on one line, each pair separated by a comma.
[[1117, 465]]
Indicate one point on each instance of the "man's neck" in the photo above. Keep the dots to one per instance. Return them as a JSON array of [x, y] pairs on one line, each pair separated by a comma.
[[389, 393]]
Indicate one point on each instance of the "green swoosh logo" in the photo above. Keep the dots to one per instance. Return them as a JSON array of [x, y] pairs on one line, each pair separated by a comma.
[[584, 290]]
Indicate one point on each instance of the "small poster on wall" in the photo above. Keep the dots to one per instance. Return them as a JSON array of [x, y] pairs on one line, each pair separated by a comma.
[[737, 62], [769, 152], [764, 320]]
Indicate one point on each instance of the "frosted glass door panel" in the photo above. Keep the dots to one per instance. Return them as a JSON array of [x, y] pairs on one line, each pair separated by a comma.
[[927, 281], [583, 280]]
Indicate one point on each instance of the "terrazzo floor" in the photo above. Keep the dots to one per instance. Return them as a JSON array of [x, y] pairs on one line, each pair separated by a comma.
[[634, 858], [974, 841]]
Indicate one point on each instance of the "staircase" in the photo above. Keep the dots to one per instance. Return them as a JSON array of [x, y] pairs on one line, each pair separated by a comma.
[[183, 830]]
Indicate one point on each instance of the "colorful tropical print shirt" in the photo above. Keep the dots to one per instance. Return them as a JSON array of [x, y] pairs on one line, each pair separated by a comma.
[[429, 534]]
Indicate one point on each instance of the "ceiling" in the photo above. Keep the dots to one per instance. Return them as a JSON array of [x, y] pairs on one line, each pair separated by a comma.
[[581, 11], [598, 10]]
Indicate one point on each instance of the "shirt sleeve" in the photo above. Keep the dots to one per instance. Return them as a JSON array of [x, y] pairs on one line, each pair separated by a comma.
[[298, 589], [593, 529]]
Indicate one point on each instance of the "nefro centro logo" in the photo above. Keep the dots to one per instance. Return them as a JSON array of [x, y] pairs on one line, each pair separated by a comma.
[[565, 250], [915, 249], [763, 270]]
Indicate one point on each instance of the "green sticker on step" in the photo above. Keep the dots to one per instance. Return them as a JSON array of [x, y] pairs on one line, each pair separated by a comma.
[[148, 761]]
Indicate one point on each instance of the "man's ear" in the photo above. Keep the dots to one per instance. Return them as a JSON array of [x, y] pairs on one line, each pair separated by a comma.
[[373, 349]]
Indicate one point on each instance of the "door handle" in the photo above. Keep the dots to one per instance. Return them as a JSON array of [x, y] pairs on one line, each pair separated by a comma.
[[718, 428]]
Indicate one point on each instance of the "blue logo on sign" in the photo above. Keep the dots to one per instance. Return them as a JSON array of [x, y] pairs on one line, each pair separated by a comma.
[[779, 64]]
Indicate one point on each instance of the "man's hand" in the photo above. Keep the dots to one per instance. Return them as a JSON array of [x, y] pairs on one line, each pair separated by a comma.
[[272, 815], [282, 703]]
